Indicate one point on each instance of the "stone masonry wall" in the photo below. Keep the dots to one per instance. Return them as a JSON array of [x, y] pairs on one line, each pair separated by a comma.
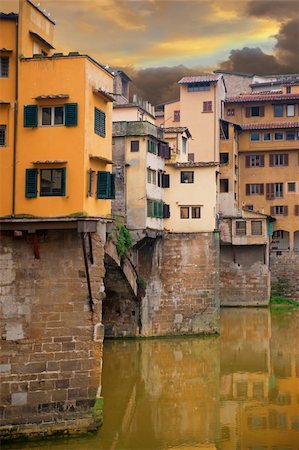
[[244, 277], [182, 293], [285, 274], [50, 362]]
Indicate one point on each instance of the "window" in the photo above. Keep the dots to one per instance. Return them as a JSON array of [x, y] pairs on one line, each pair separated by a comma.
[[278, 135], [255, 111], [194, 87], [184, 212], [224, 157], [2, 135], [279, 210], [256, 227], [289, 89], [279, 159], [152, 147], [134, 146], [176, 115], [4, 65], [230, 112], [255, 136], [52, 115], [155, 208], [52, 182], [99, 122], [296, 210], [255, 189], [240, 228], [249, 207], [105, 185], [184, 145], [195, 212], [291, 187], [290, 110], [266, 136], [191, 157], [224, 185], [187, 177], [278, 190], [207, 106], [151, 176], [278, 110], [254, 161], [290, 135]]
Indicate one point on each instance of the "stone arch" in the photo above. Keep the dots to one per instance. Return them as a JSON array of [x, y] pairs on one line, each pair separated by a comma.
[[280, 240], [296, 241]]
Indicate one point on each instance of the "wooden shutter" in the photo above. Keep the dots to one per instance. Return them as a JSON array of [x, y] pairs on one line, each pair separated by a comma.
[[296, 210], [262, 160], [262, 189], [167, 153], [112, 185], [31, 183], [166, 211], [103, 185], [71, 114], [272, 210], [165, 180], [160, 147], [99, 122], [285, 210], [30, 116], [248, 112], [191, 157], [262, 111], [271, 160], [247, 161], [155, 208], [286, 159], [63, 180], [270, 191], [89, 187], [150, 208], [247, 189]]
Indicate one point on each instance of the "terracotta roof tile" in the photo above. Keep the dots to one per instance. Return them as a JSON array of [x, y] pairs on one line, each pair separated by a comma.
[[254, 97], [268, 126], [200, 79]]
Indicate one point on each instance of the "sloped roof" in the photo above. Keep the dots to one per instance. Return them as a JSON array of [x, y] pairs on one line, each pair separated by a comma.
[[200, 79], [268, 126], [254, 97]]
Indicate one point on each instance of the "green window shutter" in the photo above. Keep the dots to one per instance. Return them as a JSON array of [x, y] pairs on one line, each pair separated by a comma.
[[103, 185], [89, 188], [63, 180], [71, 114], [31, 183], [160, 210], [112, 185], [99, 122], [30, 116], [150, 208], [148, 145], [155, 208]]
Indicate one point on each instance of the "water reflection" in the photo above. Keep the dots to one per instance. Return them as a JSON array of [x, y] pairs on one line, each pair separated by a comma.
[[239, 391]]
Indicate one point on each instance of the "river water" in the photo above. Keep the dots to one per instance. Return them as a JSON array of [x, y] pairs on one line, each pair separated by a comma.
[[237, 391]]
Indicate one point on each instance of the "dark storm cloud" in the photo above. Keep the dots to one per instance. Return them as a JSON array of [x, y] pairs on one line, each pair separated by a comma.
[[287, 47], [273, 9]]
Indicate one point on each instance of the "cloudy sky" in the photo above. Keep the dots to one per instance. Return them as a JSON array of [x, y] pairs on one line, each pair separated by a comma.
[[158, 41]]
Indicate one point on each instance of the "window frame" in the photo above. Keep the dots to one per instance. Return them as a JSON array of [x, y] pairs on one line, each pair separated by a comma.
[[4, 68], [277, 133], [61, 192], [3, 132], [269, 134], [287, 110], [133, 144], [257, 134], [207, 106], [52, 117], [186, 180], [240, 230], [293, 184], [278, 110]]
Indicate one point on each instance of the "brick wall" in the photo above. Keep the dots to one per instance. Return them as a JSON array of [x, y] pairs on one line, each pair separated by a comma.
[[244, 277], [285, 274], [182, 274], [50, 362]]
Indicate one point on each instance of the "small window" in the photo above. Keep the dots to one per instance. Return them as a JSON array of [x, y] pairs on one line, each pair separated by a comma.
[[289, 90], [4, 66], [52, 182], [2, 135], [152, 147], [194, 87], [266, 136], [256, 227], [224, 185], [290, 135], [290, 110], [249, 207], [278, 110], [208, 106], [195, 212], [279, 159], [230, 112], [278, 135], [184, 145], [292, 187], [187, 177], [224, 157], [191, 157], [255, 189], [254, 161], [184, 212], [255, 111], [52, 115], [254, 136], [176, 115], [134, 146], [99, 122], [278, 190], [241, 228], [279, 210], [151, 176]]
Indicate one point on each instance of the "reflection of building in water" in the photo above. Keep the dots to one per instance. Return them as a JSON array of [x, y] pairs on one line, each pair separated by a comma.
[[259, 381]]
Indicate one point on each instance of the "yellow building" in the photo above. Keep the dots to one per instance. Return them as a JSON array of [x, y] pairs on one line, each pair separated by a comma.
[[268, 158], [55, 128]]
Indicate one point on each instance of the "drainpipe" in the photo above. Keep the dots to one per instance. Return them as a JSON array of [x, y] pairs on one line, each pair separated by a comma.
[[15, 128]]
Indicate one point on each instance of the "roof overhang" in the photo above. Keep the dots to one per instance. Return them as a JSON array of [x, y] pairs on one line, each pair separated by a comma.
[[41, 39]]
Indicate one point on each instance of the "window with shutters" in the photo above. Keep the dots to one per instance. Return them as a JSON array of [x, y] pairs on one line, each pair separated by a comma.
[[255, 136], [256, 227], [105, 185], [52, 115], [52, 182], [152, 147], [176, 115], [292, 186], [274, 190], [224, 185], [279, 159], [4, 66], [230, 112], [155, 208], [254, 161], [278, 110], [207, 106], [99, 122], [187, 176], [134, 146], [255, 111], [241, 228], [255, 189], [2, 135], [279, 210]]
